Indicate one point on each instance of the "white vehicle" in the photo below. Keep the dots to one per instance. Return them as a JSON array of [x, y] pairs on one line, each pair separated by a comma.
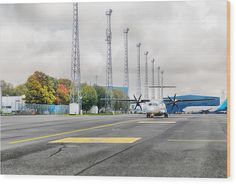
[[156, 108]]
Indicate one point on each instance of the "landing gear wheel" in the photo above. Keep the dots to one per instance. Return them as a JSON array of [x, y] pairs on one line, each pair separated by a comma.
[[148, 115], [166, 115]]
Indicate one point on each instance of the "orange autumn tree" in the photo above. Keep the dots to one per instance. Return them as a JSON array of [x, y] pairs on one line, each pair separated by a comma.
[[63, 92]]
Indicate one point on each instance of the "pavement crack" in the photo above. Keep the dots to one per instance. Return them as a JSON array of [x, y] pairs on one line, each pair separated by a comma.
[[96, 163], [168, 133], [58, 151]]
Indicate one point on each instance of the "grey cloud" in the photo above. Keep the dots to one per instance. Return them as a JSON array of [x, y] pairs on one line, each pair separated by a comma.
[[187, 39]]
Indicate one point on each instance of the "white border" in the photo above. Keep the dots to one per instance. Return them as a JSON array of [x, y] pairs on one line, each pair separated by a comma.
[[4, 179]]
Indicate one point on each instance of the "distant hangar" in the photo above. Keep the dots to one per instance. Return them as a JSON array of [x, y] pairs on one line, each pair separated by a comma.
[[215, 101]]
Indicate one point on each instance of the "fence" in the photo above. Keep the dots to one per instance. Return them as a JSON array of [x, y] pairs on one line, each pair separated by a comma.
[[46, 109]]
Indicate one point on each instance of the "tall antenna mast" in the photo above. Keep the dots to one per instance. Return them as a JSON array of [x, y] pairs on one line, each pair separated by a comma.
[[126, 65], [109, 57], [146, 74], [158, 82], [153, 89], [75, 59], [1, 84], [138, 93], [162, 84]]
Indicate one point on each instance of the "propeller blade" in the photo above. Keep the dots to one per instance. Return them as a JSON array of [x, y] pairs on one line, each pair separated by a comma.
[[172, 107], [140, 107], [135, 107], [175, 97], [139, 98], [135, 98], [177, 107], [170, 99]]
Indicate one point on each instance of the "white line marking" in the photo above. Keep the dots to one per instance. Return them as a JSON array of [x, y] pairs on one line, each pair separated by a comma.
[[157, 122], [194, 140]]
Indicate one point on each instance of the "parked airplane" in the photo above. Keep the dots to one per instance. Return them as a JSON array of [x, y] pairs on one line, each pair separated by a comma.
[[207, 109], [158, 108], [154, 107]]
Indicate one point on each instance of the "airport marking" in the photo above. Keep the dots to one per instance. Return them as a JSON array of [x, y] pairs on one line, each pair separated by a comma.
[[195, 140], [157, 122], [179, 131], [69, 132], [113, 140]]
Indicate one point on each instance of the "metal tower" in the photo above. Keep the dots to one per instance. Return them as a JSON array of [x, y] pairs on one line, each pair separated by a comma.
[[138, 93], [126, 65], [162, 84], [75, 59], [158, 82], [1, 84], [153, 89], [146, 74], [109, 58]]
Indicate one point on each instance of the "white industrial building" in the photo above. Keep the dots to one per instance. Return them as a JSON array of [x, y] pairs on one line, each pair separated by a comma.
[[12, 103]]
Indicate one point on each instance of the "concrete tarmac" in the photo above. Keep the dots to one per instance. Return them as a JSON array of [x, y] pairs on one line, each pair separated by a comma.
[[119, 145]]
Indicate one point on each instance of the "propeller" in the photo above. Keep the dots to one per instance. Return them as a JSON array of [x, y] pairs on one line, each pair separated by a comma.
[[174, 102], [138, 101]]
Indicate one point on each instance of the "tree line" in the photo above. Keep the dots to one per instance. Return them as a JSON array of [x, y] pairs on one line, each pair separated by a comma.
[[44, 89]]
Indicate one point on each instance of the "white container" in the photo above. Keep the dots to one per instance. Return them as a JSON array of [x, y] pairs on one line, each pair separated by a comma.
[[74, 108]]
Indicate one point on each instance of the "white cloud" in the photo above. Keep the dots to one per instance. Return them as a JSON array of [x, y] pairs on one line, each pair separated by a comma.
[[187, 39]]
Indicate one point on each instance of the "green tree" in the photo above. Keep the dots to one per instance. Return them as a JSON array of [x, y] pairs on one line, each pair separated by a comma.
[[20, 90], [119, 105], [7, 89], [101, 94], [89, 97], [40, 89]]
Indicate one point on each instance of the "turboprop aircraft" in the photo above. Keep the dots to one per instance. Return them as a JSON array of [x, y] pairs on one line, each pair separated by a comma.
[[158, 108], [151, 107], [155, 107]]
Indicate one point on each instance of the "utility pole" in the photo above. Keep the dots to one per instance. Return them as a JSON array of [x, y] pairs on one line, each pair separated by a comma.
[[1, 83], [153, 89], [75, 62], [96, 80], [126, 65], [138, 93], [162, 84], [109, 82], [146, 74], [158, 82]]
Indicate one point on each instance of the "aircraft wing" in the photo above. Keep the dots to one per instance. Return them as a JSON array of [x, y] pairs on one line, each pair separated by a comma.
[[131, 100], [123, 100], [119, 100], [162, 86], [143, 101]]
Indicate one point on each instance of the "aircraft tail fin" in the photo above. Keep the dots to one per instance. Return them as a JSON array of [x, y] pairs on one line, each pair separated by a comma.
[[222, 107]]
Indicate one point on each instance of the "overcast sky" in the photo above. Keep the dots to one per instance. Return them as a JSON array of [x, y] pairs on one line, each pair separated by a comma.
[[187, 39]]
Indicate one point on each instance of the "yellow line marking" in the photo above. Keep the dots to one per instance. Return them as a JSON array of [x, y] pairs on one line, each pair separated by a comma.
[[114, 140], [69, 132], [157, 122], [194, 140]]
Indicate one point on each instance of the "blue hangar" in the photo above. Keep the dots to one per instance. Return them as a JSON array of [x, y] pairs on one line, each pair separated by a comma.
[[215, 101]]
